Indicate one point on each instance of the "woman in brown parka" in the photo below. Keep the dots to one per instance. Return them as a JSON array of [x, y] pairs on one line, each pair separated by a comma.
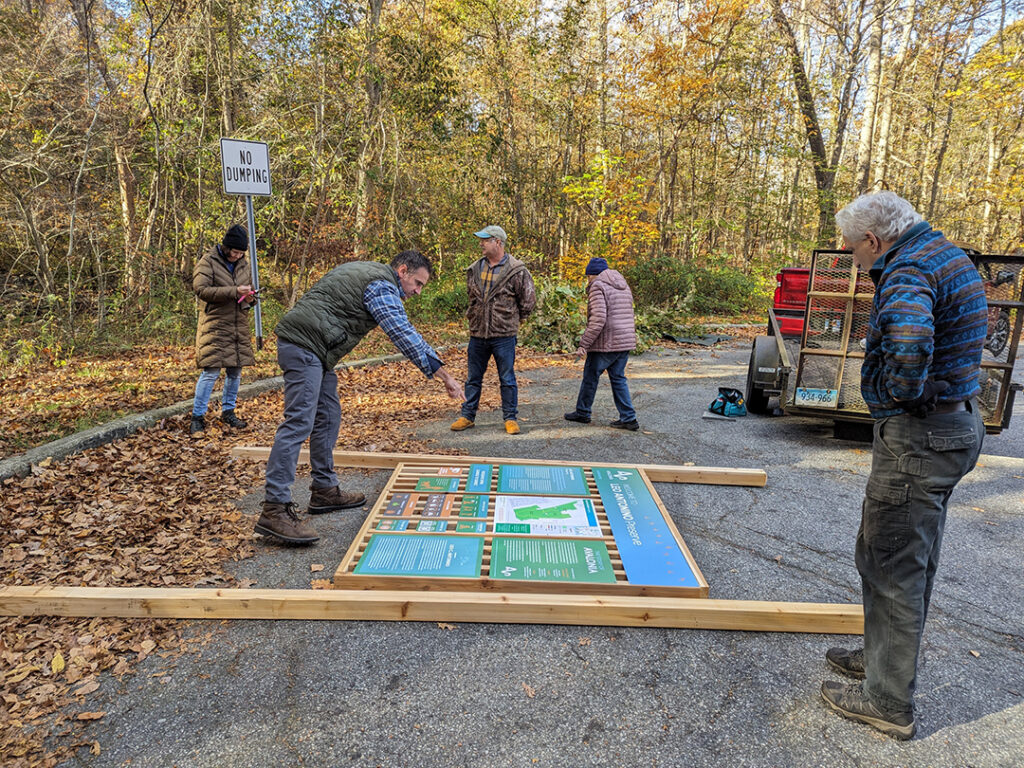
[[222, 281]]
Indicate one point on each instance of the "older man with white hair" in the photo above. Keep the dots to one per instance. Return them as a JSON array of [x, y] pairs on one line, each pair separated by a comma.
[[920, 381]]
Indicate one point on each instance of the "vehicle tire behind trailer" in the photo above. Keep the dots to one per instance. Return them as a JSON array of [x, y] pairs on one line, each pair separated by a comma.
[[855, 431], [757, 400]]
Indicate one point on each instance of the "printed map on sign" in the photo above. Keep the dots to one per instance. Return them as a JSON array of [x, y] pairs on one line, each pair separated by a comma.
[[545, 516]]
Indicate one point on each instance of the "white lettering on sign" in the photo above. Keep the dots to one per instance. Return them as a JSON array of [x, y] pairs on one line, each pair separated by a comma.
[[245, 167], [627, 514]]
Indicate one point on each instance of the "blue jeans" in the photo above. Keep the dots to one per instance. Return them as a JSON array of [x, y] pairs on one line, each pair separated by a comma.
[[311, 409], [915, 465], [478, 355], [204, 388], [596, 364]]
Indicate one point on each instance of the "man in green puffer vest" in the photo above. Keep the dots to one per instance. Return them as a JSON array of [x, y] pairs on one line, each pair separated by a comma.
[[324, 326]]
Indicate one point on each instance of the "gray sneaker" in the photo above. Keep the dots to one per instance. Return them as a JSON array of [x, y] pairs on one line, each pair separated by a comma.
[[851, 702], [846, 662]]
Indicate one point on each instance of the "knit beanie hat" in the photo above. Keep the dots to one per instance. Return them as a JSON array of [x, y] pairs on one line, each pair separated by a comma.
[[596, 266], [236, 238]]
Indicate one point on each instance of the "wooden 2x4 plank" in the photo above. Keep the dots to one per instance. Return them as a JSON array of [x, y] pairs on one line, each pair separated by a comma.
[[380, 605], [657, 473]]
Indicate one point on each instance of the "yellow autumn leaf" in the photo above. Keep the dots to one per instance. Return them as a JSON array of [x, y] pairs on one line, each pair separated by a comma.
[[57, 664]]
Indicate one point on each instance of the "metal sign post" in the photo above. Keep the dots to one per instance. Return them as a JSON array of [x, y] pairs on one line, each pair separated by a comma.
[[245, 170]]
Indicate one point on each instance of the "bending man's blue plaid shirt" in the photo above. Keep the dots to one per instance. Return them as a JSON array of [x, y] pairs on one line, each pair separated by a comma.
[[383, 300]]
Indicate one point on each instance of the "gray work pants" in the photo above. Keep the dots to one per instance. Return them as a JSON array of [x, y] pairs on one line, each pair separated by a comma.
[[311, 409], [915, 465]]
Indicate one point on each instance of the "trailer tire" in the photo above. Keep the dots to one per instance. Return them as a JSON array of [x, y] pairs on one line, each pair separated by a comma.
[[757, 400]]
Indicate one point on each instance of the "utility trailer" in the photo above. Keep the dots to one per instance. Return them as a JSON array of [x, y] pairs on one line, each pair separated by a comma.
[[817, 373]]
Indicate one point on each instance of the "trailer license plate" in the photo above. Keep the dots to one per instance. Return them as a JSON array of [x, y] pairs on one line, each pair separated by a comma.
[[816, 398]]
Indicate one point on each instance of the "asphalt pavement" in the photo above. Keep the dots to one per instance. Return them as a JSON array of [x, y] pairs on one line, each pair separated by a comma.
[[291, 693]]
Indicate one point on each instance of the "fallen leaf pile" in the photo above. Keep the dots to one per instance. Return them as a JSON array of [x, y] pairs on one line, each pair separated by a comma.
[[42, 402], [158, 509]]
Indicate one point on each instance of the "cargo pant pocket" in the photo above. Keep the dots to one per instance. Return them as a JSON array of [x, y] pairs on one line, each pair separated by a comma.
[[886, 525]]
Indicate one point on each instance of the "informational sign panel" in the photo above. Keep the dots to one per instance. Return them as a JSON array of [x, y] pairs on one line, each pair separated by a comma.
[[542, 479], [586, 530], [551, 560], [650, 553], [415, 555], [245, 167]]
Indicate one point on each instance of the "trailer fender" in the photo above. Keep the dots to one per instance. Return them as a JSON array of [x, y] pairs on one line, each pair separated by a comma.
[[765, 363]]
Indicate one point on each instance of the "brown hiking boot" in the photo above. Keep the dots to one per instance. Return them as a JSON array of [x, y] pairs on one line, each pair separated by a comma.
[[323, 500], [281, 522], [461, 423], [512, 427], [846, 662], [851, 702]]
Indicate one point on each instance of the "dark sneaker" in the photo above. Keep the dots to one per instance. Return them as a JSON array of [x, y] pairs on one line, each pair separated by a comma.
[[850, 702], [632, 426], [198, 425], [323, 500], [281, 522], [849, 663], [577, 416], [229, 418]]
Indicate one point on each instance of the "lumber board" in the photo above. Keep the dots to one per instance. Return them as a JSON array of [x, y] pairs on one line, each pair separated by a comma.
[[657, 473], [380, 605]]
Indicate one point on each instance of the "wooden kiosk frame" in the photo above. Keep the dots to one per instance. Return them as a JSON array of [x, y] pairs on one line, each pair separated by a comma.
[[619, 610]]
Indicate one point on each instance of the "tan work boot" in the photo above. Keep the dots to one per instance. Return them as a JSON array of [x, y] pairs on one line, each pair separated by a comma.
[[512, 427], [281, 522], [323, 500], [461, 423]]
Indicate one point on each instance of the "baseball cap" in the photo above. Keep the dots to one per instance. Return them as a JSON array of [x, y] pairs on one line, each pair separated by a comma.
[[492, 230]]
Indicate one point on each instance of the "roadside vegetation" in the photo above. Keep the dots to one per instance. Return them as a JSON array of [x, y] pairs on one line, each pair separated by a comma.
[[61, 374]]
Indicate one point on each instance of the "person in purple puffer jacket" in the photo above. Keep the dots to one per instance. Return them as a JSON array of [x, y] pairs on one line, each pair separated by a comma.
[[607, 341]]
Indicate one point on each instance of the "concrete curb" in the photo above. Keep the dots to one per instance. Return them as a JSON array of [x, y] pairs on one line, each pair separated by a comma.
[[21, 465]]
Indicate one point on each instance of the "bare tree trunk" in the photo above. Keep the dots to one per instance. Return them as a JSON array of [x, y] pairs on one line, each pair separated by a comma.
[[824, 174], [947, 125], [603, 32], [43, 272], [990, 171], [126, 188], [226, 79], [867, 126], [881, 164], [372, 89], [82, 10]]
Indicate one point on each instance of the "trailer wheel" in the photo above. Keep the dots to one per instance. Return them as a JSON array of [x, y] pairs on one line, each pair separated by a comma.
[[996, 342], [757, 400]]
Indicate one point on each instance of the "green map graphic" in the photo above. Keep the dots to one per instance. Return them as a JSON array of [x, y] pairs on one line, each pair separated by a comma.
[[535, 512]]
